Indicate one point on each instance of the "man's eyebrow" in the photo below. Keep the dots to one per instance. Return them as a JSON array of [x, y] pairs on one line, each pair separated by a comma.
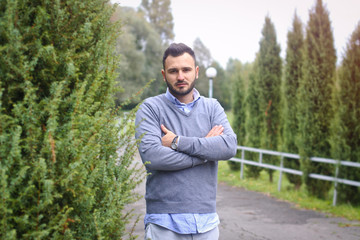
[[187, 68], [177, 69]]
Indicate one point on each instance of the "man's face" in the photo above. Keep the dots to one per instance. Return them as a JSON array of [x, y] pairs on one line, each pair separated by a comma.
[[180, 74]]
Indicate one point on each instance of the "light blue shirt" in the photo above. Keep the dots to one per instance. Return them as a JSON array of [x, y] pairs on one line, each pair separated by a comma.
[[185, 223], [182, 106]]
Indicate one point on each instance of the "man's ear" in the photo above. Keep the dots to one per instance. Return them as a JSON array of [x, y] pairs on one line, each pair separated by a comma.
[[197, 72], [163, 73]]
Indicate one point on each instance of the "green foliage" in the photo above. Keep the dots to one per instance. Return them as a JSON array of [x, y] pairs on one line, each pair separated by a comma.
[[238, 74], [315, 110], [346, 126], [293, 75], [158, 13], [234, 72], [313, 123], [140, 48], [202, 53], [253, 120], [269, 80], [221, 84], [297, 196], [222, 87], [65, 171]]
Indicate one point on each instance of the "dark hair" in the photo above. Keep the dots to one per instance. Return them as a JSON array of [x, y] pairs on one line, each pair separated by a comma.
[[178, 49]]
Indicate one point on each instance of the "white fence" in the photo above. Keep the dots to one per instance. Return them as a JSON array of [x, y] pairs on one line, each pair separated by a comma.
[[281, 168]]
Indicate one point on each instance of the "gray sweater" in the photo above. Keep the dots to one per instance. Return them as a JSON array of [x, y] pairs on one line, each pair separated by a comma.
[[182, 181]]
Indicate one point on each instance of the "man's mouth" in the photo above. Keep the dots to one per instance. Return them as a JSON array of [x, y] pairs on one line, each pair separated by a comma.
[[181, 84]]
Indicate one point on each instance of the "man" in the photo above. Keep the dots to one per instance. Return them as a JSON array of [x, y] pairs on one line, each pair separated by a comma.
[[183, 135]]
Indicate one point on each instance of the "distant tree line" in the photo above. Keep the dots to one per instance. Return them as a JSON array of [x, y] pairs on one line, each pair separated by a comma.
[[303, 105], [146, 33]]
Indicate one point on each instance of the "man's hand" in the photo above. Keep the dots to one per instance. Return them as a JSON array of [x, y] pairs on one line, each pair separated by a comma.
[[168, 137], [215, 131]]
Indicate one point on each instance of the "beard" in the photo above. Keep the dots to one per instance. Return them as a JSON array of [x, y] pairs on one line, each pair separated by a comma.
[[180, 92]]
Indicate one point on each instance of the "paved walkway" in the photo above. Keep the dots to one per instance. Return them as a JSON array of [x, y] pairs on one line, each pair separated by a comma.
[[254, 216]]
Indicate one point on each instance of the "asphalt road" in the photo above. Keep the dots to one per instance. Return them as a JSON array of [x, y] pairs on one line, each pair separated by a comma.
[[255, 216]]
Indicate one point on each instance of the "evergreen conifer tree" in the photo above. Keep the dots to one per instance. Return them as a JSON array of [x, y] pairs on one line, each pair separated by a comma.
[[346, 126], [60, 173], [238, 107], [315, 99], [293, 75], [221, 86], [269, 74], [253, 120]]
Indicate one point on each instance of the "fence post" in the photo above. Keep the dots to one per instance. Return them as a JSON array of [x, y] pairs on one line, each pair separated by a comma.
[[280, 177], [242, 164], [335, 183]]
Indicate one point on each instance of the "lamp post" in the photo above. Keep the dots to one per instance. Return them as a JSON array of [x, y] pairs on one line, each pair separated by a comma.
[[210, 73]]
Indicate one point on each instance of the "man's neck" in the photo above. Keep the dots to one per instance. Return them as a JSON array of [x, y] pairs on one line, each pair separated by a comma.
[[187, 98]]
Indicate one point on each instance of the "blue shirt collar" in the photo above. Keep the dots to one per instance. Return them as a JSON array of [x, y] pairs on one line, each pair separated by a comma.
[[175, 101], [182, 106]]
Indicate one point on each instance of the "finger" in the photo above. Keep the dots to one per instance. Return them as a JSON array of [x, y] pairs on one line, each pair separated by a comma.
[[211, 132], [221, 129], [164, 129], [218, 130], [215, 131]]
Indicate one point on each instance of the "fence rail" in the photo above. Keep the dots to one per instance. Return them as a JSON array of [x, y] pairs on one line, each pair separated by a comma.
[[282, 169]]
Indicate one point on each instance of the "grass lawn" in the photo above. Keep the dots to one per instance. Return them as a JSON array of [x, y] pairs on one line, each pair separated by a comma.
[[299, 197]]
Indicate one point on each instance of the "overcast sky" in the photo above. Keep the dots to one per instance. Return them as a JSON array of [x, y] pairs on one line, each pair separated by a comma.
[[232, 28]]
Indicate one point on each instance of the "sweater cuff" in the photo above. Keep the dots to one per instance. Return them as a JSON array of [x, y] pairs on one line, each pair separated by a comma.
[[185, 145]]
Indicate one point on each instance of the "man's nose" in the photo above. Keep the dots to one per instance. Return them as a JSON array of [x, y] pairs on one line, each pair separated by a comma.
[[180, 75]]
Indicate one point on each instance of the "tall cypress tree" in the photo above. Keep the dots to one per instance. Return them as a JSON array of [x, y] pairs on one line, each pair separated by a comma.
[[238, 106], [269, 74], [293, 75], [253, 120], [314, 103], [346, 127], [234, 69], [60, 173]]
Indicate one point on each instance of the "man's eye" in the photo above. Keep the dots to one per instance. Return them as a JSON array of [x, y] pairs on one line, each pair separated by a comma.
[[172, 71]]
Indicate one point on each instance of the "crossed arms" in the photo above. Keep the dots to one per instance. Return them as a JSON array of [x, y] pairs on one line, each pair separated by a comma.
[[219, 143], [169, 136]]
